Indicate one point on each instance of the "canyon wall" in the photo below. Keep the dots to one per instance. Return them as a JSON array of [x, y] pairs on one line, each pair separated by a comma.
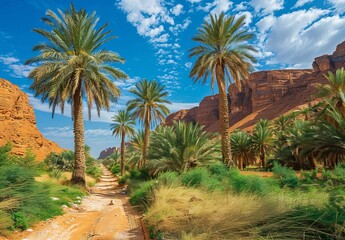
[[266, 94], [18, 123]]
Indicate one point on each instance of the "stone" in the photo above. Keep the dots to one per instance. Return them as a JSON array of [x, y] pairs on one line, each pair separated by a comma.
[[18, 123]]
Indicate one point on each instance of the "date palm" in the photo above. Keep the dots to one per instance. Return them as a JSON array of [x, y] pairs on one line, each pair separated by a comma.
[[72, 67], [136, 149], [241, 148], [263, 140], [149, 107], [181, 147], [224, 55], [123, 126]]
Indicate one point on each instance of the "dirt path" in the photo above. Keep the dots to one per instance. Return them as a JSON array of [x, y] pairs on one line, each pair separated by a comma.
[[94, 219]]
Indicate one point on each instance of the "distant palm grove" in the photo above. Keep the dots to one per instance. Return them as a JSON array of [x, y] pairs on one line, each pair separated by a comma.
[[194, 184]]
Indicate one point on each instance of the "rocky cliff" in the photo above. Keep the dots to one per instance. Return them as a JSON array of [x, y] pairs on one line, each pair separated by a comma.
[[18, 123], [266, 94], [107, 152]]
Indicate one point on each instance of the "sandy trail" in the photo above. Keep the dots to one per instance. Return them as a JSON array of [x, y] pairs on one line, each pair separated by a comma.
[[94, 219]]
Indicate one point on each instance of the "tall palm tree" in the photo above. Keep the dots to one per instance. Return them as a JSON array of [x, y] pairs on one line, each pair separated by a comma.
[[263, 140], [72, 67], [241, 148], [123, 126], [148, 107], [224, 54]]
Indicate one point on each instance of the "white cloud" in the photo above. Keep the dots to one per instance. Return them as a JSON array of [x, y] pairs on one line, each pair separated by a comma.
[[301, 3], [217, 6], [241, 6], [147, 16], [267, 6], [339, 5], [177, 10], [194, 1], [188, 65], [297, 38], [248, 16], [180, 27], [14, 66], [161, 39], [176, 106]]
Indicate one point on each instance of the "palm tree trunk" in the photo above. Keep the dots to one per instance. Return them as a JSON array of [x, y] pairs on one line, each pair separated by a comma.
[[262, 158], [78, 176], [146, 140], [224, 117], [123, 153]]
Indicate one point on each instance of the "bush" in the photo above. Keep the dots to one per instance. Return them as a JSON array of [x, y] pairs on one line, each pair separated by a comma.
[[194, 177], [218, 169], [250, 184], [287, 176], [144, 194], [116, 169], [169, 179], [19, 221]]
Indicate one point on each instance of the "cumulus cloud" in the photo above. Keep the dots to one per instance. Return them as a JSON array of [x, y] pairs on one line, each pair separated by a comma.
[[301, 3], [177, 10], [267, 6], [339, 5], [296, 38], [217, 6], [16, 69]]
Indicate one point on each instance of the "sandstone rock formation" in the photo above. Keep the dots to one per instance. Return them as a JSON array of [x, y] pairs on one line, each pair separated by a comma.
[[18, 123], [107, 152], [266, 94]]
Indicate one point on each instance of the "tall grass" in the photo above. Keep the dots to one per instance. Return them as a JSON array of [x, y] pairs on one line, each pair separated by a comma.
[[190, 213]]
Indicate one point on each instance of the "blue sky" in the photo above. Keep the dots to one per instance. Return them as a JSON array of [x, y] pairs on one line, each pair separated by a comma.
[[154, 38]]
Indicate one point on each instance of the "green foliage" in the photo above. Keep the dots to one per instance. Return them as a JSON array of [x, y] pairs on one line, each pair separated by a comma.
[[63, 161], [116, 169], [250, 184], [5, 153], [218, 169], [242, 149], [180, 148], [144, 194], [169, 179], [287, 176], [194, 177], [19, 221]]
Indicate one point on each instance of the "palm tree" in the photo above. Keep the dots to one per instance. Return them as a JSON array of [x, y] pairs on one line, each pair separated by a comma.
[[148, 107], [241, 148], [224, 54], [123, 126], [181, 147], [136, 149], [263, 140], [335, 89], [72, 67]]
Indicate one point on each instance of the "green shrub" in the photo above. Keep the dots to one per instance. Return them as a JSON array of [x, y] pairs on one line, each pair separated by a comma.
[[194, 177], [287, 176], [116, 169], [19, 221], [218, 169], [250, 184], [144, 194], [94, 171], [169, 179]]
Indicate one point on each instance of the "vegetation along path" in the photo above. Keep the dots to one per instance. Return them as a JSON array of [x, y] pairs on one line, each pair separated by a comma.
[[105, 214]]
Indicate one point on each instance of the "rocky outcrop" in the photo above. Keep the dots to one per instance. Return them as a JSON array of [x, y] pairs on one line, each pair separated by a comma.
[[18, 123], [107, 152], [266, 94]]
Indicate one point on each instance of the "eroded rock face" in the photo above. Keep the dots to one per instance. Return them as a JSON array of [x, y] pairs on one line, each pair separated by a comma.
[[107, 152], [266, 94], [18, 123]]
